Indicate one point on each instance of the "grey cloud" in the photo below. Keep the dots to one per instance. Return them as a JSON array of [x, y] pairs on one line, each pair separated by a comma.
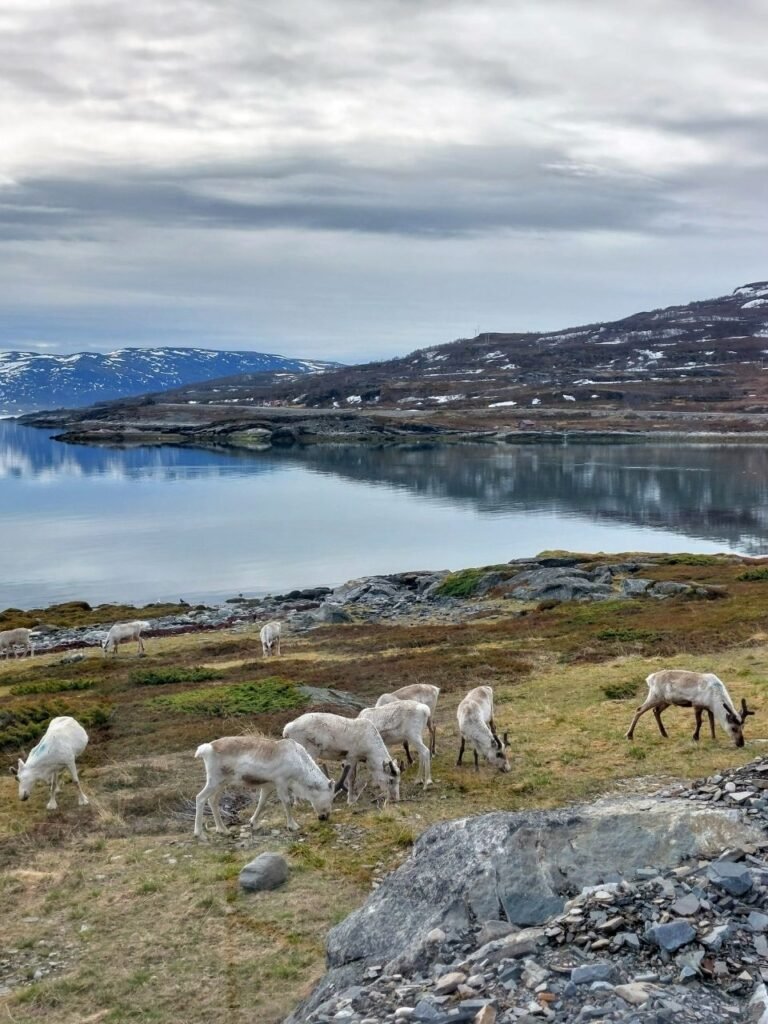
[[447, 194]]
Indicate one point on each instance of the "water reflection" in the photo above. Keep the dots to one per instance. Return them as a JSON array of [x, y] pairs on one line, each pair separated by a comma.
[[717, 493], [144, 524]]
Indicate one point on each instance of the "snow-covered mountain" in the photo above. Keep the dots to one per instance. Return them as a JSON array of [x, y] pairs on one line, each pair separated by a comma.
[[31, 380]]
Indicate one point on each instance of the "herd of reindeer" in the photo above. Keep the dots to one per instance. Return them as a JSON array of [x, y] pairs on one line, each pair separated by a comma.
[[294, 767]]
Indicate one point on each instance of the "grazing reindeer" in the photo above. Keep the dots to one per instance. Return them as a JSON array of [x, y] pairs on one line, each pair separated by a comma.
[[404, 721], [10, 639], [425, 693], [270, 638], [476, 727], [266, 764], [120, 633], [64, 740], [350, 740], [702, 691]]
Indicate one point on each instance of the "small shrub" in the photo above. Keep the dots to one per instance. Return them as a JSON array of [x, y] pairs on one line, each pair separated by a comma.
[[621, 691], [256, 698], [754, 574], [548, 604], [25, 723], [52, 686], [636, 753], [628, 635], [164, 676], [685, 558]]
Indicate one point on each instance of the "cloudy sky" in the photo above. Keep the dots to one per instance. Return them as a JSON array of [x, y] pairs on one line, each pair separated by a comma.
[[354, 179]]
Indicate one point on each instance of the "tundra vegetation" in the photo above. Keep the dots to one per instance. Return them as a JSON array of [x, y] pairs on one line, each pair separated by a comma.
[[124, 916]]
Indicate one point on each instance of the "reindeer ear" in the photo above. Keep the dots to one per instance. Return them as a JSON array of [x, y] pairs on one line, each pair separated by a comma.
[[13, 770]]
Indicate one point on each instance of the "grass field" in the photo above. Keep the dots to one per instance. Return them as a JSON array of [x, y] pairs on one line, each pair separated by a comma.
[[125, 917]]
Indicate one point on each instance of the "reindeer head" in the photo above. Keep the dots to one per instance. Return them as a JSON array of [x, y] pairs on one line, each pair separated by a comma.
[[23, 778], [392, 780], [322, 797], [498, 753], [735, 722]]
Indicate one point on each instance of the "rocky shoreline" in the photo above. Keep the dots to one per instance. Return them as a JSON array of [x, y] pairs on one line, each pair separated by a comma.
[[259, 429], [638, 909], [410, 597]]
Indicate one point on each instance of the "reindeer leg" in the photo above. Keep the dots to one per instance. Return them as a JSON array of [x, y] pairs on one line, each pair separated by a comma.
[[477, 761], [432, 736], [461, 752], [407, 752], [711, 722], [657, 715], [699, 713], [640, 711]]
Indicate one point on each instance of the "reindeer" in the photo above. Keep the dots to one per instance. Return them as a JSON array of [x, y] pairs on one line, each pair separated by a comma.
[[476, 727], [702, 691]]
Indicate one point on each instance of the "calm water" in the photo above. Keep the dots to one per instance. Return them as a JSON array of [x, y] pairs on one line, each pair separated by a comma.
[[151, 524]]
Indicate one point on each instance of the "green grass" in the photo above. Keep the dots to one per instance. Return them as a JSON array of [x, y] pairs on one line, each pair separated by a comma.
[[261, 697], [165, 676], [464, 583]]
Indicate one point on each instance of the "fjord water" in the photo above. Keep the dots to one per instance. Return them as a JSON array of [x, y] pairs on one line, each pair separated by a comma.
[[150, 524]]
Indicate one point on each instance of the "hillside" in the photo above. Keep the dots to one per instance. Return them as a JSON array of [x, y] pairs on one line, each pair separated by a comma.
[[33, 380], [703, 351], [114, 912], [693, 368]]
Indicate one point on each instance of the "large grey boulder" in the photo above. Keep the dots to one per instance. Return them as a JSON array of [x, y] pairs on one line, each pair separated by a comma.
[[558, 584], [636, 587], [331, 613], [519, 868], [267, 871]]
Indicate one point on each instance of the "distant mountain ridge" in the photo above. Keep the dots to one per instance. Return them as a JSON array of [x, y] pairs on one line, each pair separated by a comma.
[[31, 381], [706, 351], [703, 348]]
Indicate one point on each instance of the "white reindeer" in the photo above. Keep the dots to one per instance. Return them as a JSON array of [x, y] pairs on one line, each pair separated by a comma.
[[270, 638], [266, 764], [702, 691], [426, 694], [351, 740], [64, 740], [121, 632], [10, 639], [477, 728], [403, 721]]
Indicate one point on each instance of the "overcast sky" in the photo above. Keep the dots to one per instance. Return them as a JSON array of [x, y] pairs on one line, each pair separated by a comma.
[[354, 179]]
